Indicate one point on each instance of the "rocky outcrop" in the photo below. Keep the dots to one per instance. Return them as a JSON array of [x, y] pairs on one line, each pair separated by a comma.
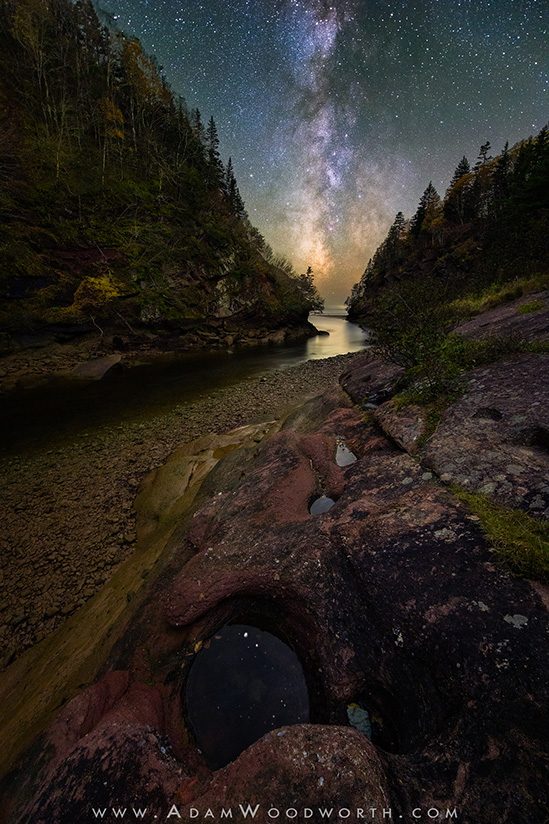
[[392, 599], [527, 317], [32, 360], [495, 439]]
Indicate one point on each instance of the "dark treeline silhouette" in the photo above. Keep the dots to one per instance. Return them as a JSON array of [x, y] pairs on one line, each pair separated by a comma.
[[114, 199], [490, 227]]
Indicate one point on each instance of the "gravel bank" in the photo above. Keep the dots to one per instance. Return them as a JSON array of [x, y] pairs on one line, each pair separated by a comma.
[[68, 513]]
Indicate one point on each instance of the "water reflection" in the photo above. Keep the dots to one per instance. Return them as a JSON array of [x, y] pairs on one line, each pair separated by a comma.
[[65, 408], [343, 336], [243, 684], [321, 505]]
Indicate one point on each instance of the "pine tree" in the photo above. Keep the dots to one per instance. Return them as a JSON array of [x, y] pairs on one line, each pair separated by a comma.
[[198, 131], [214, 158], [463, 168], [394, 236], [472, 199], [310, 292], [501, 178], [239, 207], [196, 121], [483, 156], [233, 193], [230, 182], [536, 188], [456, 195], [429, 204]]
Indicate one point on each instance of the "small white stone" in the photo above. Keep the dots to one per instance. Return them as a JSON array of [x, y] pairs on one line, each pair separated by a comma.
[[517, 621]]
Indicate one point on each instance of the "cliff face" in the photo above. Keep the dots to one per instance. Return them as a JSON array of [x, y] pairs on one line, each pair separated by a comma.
[[117, 215]]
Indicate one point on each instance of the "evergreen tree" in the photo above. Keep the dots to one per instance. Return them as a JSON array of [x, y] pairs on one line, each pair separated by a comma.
[[394, 236], [198, 127], [472, 199], [536, 188], [199, 135], [456, 196], [429, 204], [501, 178], [463, 168], [310, 292], [214, 158], [239, 207], [230, 183], [483, 156], [232, 190]]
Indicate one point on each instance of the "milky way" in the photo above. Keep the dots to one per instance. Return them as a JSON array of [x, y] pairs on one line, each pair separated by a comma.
[[337, 114]]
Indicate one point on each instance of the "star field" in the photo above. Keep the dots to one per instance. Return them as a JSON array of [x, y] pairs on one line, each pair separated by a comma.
[[338, 113]]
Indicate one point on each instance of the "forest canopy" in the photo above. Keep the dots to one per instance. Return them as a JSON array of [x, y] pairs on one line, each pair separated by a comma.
[[115, 203]]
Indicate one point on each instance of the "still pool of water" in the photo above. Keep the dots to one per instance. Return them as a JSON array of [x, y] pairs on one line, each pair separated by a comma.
[[321, 505], [61, 409], [242, 684]]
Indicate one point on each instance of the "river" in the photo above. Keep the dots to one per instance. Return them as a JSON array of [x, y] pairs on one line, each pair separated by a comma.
[[31, 418]]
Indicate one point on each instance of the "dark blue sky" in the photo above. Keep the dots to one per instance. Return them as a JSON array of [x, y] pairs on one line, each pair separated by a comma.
[[338, 112]]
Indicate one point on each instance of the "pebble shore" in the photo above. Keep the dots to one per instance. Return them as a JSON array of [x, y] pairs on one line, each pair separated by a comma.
[[68, 512]]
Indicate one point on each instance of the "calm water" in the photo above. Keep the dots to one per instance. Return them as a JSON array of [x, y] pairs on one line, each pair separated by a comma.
[[243, 684], [59, 409]]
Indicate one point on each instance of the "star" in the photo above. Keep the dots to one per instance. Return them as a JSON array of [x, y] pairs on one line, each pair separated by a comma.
[[337, 114]]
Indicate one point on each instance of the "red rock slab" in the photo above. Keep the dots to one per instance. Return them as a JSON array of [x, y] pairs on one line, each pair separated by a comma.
[[304, 767]]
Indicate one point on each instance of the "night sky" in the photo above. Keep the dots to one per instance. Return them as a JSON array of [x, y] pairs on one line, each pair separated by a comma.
[[337, 114]]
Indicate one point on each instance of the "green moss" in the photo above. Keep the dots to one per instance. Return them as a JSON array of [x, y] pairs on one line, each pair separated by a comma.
[[531, 306], [497, 294], [518, 539]]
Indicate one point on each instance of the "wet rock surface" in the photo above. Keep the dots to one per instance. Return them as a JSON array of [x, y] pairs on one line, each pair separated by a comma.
[[392, 596]]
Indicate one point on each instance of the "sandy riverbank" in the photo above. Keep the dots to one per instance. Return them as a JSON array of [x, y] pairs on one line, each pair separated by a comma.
[[69, 519]]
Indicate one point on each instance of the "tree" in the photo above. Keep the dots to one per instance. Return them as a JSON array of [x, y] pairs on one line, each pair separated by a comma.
[[501, 177], [233, 192], [483, 156], [427, 210], [456, 196], [536, 188], [395, 235], [397, 228], [310, 292], [463, 168], [214, 158]]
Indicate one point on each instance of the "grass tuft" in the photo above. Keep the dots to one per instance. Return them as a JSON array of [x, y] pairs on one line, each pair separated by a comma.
[[496, 294], [531, 306], [518, 539]]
